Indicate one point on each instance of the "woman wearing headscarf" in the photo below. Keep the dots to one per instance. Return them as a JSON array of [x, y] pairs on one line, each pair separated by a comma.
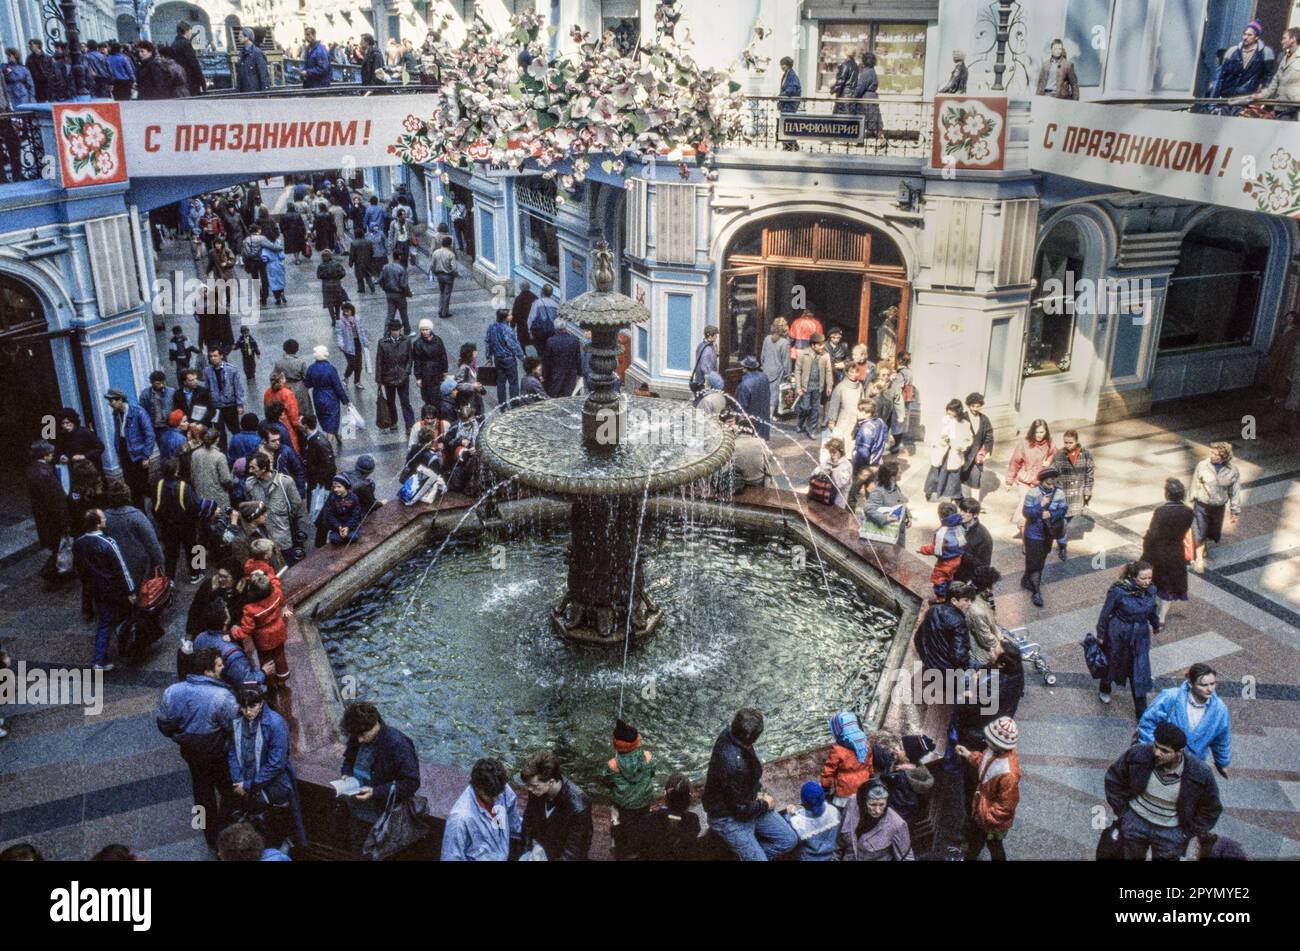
[[871, 831], [328, 393], [1128, 621]]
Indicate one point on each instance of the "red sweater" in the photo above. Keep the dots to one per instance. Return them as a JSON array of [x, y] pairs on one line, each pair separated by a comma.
[[843, 774]]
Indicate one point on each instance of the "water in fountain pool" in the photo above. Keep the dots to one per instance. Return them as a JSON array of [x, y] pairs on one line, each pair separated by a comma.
[[474, 668]]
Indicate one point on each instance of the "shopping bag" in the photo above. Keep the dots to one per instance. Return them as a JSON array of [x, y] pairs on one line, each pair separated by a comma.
[[401, 825], [65, 477], [368, 361], [319, 496], [1189, 547], [347, 428], [383, 414], [63, 560], [1094, 656], [358, 420]]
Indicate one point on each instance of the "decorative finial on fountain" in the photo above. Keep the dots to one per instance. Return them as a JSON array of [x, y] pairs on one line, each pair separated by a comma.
[[604, 266]]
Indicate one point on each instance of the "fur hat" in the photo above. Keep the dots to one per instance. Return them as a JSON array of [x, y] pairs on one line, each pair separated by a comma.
[[321, 352]]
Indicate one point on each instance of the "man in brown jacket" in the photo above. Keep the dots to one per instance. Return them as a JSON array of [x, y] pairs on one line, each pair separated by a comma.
[[813, 384], [1056, 76]]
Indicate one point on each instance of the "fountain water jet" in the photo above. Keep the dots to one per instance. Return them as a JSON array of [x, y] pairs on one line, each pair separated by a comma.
[[628, 448]]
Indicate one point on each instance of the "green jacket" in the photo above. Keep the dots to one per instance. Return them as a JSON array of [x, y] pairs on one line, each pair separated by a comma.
[[631, 778]]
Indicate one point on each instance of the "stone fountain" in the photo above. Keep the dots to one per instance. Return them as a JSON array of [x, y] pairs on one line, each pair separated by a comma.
[[605, 454]]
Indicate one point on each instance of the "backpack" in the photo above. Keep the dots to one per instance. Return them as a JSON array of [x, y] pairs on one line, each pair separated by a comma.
[[821, 489], [251, 252]]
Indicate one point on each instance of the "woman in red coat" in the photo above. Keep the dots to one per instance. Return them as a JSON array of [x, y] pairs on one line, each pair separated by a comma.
[[279, 390], [1032, 454], [262, 619]]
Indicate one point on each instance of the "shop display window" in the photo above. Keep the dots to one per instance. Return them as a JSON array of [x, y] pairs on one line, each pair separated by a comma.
[[899, 49]]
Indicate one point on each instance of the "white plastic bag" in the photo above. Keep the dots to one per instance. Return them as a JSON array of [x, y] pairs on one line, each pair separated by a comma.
[[63, 560], [319, 496], [368, 361]]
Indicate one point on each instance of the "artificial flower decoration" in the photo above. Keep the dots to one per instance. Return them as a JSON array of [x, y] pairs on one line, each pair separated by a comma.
[[507, 102]]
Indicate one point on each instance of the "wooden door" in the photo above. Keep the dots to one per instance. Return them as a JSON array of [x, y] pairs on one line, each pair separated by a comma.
[[882, 319], [742, 321]]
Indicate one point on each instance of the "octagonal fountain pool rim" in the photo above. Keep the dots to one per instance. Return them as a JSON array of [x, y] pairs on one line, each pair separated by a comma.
[[328, 578]]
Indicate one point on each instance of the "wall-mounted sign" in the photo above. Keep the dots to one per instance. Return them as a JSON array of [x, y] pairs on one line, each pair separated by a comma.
[[823, 128], [970, 132], [89, 135]]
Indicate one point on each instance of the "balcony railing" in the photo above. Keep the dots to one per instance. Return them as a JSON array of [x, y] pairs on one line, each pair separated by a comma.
[[896, 126], [21, 152], [1228, 107]]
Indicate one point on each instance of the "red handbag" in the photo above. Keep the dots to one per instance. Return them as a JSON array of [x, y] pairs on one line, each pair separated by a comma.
[[155, 592]]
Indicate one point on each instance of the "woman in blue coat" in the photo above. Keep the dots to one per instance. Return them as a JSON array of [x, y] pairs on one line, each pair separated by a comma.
[[273, 261], [1124, 629], [327, 393], [1044, 509], [19, 86]]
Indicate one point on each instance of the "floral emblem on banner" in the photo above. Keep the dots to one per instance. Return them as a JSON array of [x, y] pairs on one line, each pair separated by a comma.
[[90, 143], [505, 101], [1277, 190], [968, 133]]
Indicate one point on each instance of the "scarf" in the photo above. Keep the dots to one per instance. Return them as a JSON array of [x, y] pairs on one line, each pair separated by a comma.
[[848, 733]]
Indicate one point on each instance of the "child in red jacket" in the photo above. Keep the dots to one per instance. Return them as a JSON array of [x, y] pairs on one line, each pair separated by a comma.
[[997, 790], [848, 765], [947, 548], [262, 620]]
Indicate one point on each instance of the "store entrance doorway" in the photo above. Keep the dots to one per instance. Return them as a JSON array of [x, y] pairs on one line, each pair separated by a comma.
[[841, 272]]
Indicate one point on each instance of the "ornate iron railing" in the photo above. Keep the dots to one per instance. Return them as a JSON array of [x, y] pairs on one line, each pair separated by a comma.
[[22, 156], [896, 126]]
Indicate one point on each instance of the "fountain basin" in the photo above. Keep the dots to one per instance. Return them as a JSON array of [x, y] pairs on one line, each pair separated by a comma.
[[461, 656]]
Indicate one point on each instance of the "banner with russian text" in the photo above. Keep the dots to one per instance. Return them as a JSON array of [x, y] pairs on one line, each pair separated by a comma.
[[1252, 164], [185, 136]]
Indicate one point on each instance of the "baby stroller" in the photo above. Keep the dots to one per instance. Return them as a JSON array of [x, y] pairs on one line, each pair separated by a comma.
[[1032, 652]]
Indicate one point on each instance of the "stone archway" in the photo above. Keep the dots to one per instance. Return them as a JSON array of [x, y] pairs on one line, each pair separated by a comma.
[[162, 24], [29, 384], [844, 271]]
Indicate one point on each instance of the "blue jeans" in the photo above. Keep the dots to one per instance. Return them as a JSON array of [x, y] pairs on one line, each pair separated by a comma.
[[109, 614], [1167, 845], [756, 840], [507, 377]]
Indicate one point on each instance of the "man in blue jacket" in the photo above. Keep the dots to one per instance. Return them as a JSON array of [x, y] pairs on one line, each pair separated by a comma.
[[197, 714], [226, 384], [485, 819], [236, 669], [502, 345], [1161, 797], [315, 61], [98, 72], [134, 442], [251, 73], [754, 394], [1195, 708], [260, 771], [739, 812], [106, 579]]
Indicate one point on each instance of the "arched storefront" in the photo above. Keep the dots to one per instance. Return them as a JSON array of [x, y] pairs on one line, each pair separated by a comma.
[[846, 274], [29, 383]]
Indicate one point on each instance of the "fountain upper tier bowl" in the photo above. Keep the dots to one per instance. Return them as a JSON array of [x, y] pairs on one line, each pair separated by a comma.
[[663, 444]]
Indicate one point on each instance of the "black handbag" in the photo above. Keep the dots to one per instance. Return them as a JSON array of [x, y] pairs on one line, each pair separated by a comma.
[[1110, 847], [399, 827], [1094, 655]]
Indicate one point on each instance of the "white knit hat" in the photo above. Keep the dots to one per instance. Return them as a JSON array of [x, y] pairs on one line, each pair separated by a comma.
[[1002, 733], [321, 352], [426, 324]]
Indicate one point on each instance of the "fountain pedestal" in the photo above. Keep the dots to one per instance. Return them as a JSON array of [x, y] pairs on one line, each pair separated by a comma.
[[630, 448], [605, 579]]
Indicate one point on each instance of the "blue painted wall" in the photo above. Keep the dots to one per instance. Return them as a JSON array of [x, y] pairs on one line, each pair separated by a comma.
[[487, 237], [679, 332]]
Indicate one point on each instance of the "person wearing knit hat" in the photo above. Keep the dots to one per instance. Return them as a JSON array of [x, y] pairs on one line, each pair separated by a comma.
[[366, 464], [872, 830], [816, 822], [171, 439], [713, 400], [630, 776], [1044, 509], [1161, 796], [997, 789], [919, 749], [342, 512], [1245, 68]]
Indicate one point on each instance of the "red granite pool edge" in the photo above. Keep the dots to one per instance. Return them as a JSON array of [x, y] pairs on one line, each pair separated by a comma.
[[316, 745]]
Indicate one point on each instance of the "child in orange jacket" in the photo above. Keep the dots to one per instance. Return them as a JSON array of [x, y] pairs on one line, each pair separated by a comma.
[[997, 790], [849, 764], [263, 616]]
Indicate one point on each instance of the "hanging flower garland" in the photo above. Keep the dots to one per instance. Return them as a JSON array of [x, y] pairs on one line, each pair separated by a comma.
[[504, 101]]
